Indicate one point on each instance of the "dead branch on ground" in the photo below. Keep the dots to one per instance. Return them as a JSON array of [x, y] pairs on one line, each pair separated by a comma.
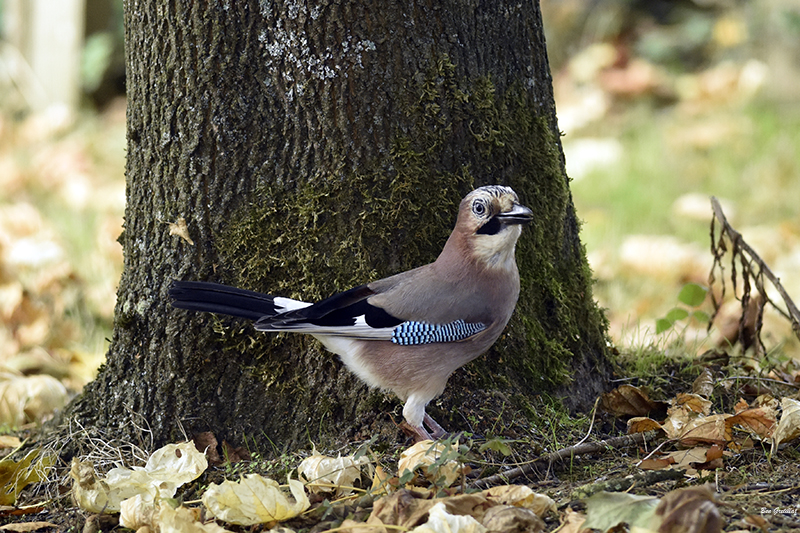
[[754, 271]]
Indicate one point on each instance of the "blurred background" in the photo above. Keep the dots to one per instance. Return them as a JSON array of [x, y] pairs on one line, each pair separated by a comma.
[[662, 104]]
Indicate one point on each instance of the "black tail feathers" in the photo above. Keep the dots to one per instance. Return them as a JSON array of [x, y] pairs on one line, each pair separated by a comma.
[[221, 299]]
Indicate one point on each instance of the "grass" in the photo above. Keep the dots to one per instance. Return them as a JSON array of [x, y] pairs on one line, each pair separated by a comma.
[[754, 163]]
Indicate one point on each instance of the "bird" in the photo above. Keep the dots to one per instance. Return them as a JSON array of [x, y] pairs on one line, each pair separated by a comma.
[[409, 332]]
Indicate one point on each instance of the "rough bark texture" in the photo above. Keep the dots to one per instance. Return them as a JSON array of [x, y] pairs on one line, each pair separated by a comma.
[[310, 149]]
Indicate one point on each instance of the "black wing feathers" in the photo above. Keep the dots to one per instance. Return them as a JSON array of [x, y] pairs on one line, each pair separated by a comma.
[[339, 310]]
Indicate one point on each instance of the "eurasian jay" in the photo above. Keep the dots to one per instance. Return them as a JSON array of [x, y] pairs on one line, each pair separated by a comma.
[[406, 333]]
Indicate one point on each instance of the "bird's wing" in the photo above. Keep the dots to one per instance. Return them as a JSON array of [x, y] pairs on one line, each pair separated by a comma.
[[359, 314]]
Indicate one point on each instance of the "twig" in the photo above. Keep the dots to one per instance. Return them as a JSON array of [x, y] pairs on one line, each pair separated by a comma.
[[758, 378], [625, 441], [624, 484], [741, 247]]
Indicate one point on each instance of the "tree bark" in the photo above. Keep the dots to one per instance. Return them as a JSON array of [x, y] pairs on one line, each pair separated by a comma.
[[309, 149]]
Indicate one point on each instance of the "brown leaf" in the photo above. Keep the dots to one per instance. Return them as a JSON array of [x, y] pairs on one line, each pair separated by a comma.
[[234, 455], [402, 508], [704, 384], [740, 406], [22, 527], [206, 442], [689, 510], [756, 521], [706, 430], [709, 465], [715, 452], [759, 420], [628, 400], [640, 424], [511, 518], [657, 464], [693, 403]]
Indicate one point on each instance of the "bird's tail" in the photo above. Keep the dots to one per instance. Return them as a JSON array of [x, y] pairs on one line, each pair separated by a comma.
[[222, 299]]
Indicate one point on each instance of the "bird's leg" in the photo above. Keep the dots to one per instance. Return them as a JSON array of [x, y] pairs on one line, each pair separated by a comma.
[[419, 434], [437, 431]]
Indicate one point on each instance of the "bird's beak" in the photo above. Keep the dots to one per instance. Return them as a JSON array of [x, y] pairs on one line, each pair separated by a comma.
[[519, 214]]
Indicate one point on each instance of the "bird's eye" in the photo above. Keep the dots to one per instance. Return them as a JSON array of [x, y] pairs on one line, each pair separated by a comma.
[[479, 208]]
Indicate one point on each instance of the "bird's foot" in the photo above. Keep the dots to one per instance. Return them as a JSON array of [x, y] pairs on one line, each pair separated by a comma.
[[437, 431], [420, 433]]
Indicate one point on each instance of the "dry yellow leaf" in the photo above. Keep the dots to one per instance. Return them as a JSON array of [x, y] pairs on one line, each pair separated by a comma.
[[29, 398], [426, 456], [15, 476], [255, 500], [521, 496], [321, 473], [167, 469]]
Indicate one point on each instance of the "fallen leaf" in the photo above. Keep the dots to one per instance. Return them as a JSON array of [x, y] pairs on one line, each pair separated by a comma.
[[627, 400], [440, 521], [183, 520], [432, 460], [401, 509], [641, 424], [689, 510], [606, 510], [160, 516], [693, 402], [706, 430], [684, 459], [510, 518], [136, 512], [9, 441], [380, 481], [206, 442], [740, 406], [255, 500], [330, 474], [758, 420], [29, 398], [22, 527], [656, 464], [789, 425], [520, 496], [167, 469], [704, 384], [15, 476], [572, 522]]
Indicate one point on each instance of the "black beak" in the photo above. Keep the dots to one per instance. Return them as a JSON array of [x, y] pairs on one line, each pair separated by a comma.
[[519, 214]]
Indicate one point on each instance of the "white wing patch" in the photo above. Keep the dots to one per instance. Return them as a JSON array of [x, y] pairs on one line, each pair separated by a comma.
[[283, 305], [360, 330]]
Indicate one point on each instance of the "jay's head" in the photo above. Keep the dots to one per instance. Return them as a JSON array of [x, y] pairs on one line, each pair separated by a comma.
[[490, 218]]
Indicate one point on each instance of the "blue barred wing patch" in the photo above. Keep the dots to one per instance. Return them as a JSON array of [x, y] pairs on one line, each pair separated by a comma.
[[410, 333]]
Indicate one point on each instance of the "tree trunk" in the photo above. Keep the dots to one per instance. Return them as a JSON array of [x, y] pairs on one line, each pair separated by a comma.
[[309, 150]]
